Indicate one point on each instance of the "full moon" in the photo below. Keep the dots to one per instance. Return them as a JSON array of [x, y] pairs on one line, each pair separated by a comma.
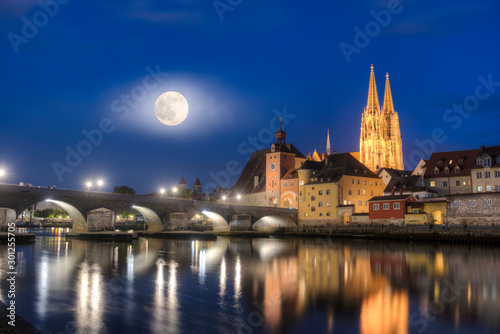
[[171, 108]]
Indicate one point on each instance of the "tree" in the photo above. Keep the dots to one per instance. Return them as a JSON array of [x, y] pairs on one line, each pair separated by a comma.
[[129, 212], [124, 190]]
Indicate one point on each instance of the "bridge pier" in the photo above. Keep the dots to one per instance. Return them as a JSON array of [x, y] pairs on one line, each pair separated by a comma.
[[240, 223], [101, 220], [7, 216], [175, 220]]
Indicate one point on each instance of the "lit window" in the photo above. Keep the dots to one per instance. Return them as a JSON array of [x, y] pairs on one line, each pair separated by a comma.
[[364, 192], [375, 206], [396, 206], [345, 202], [433, 183], [479, 188], [328, 203], [488, 188], [451, 161], [386, 206]]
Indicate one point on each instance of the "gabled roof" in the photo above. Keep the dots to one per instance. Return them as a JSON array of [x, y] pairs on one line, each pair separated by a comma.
[[440, 160], [390, 198], [256, 166], [287, 148], [407, 183], [394, 172], [312, 165], [492, 151], [291, 174], [339, 165]]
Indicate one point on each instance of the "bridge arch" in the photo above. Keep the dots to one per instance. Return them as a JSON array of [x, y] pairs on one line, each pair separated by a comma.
[[272, 222], [79, 222], [220, 223], [152, 219]]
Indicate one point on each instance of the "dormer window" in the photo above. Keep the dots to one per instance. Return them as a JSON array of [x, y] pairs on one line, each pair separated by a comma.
[[446, 170], [457, 170], [436, 171], [451, 161], [487, 162], [460, 161], [364, 172], [497, 159], [440, 163], [355, 171], [479, 161]]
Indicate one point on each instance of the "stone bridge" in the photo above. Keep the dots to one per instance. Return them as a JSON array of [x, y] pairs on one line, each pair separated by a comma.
[[159, 213]]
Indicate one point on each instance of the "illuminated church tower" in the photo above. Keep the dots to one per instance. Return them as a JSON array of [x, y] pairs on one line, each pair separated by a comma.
[[380, 140]]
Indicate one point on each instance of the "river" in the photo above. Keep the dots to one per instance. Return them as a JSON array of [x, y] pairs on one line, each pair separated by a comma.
[[233, 285]]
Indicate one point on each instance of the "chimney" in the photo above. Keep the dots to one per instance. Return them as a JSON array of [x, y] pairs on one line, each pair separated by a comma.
[[401, 191], [255, 181], [392, 190], [482, 149]]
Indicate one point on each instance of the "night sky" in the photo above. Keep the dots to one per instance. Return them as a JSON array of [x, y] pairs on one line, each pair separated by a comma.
[[85, 69]]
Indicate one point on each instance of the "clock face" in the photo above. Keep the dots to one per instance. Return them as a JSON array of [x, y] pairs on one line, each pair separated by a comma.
[[273, 166]]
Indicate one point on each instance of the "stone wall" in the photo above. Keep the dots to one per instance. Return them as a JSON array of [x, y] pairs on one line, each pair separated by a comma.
[[6, 216], [474, 209], [100, 220]]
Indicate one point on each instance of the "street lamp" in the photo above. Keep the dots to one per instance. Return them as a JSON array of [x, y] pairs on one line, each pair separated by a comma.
[[174, 190], [100, 183], [2, 173], [89, 184], [238, 197], [162, 191]]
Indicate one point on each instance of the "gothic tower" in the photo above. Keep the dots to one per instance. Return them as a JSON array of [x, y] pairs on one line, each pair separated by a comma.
[[380, 140]]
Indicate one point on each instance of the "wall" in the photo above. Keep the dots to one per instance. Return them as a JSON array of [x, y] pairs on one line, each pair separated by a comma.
[[100, 219], [7, 216], [311, 198], [416, 219], [452, 188], [371, 187], [492, 181], [480, 214]]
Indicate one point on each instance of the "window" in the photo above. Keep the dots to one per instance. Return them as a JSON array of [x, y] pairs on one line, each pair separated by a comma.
[[468, 182], [433, 183], [366, 203], [469, 203], [352, 181], [479, 188], [458, 183], [313, 208], [285, 184], [497, 173], [360, 203], [375, 206], [396, 206], [359, 192], [376, 183], [486, 202], [301, 183], [445, 183], [358, 181], [328, 191], [321, 214], [364, 192], [312, 188], [451, 161], [371, 192], [350, 192], [487, 162], [497, 159], [345, 202], [436, 171], [292, 183], [328, 203], [320, 204], [328, 214], [300, 193], [479, 175], [457, 203], [386, 206], [371, 183], [349, 202], [446, 170], [440, 163], [457, 170], [486, 175], [488, 188], [460, 161], [313, 198], [320, 192], [497, 188]]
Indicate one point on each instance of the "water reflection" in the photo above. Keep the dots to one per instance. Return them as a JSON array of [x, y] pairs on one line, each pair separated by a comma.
[[259, 286]]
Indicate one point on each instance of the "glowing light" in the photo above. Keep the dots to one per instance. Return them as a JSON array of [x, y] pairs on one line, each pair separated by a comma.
[[224, 198], [100, 183], [162, 191], [238, 197], [89, 185], [2, 173]]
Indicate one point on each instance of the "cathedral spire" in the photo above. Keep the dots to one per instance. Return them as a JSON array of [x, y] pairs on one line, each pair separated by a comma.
[[328, 149], [373, 105], [388, 107]]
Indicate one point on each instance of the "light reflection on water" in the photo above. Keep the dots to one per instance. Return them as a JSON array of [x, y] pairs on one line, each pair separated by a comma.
[[255, 286]]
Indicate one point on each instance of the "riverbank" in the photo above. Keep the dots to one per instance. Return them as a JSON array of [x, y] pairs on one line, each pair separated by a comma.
[[180, 235], [22, 326], [474, 235]]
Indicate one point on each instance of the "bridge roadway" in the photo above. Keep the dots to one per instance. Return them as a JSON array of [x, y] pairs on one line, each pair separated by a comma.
[[159, 213]]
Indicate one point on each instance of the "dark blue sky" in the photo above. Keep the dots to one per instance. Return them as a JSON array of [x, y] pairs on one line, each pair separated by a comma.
[[73, 72]]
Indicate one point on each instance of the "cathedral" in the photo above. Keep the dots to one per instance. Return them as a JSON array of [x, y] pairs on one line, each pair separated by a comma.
[[380, 140]]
